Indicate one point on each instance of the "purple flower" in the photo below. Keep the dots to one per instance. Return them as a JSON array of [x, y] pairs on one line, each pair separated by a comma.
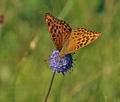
[[59, 64]]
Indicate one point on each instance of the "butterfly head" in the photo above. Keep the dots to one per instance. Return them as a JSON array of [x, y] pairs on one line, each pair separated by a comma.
[[62, 53]]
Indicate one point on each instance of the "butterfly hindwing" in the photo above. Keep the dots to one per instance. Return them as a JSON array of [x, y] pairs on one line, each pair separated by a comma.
[[79, 38], [60, 30]]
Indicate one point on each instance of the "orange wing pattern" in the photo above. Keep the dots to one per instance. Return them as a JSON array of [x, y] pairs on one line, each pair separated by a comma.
[[79, 38], [59, 29], [66, 40]]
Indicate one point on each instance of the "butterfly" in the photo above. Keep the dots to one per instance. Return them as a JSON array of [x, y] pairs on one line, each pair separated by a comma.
[[66, 39]]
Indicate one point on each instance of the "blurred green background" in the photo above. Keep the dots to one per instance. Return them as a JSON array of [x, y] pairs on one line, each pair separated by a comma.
[[25, 46]]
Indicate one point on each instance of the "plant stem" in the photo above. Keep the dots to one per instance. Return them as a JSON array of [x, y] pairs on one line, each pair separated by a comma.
[[50, 86]]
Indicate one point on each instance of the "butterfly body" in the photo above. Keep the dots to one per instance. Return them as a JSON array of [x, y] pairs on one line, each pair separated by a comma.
[[66, 40]]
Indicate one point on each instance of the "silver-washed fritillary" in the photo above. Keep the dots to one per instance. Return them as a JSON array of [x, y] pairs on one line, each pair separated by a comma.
[[66, 39]]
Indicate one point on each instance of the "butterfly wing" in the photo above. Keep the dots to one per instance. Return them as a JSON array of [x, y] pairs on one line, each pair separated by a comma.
[[79, 38], [60, 30]]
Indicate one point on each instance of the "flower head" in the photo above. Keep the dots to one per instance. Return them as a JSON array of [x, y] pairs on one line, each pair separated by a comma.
[[59, 64]]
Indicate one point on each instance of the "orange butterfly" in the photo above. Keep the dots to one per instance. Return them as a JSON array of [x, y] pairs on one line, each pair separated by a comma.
[[66, 39]]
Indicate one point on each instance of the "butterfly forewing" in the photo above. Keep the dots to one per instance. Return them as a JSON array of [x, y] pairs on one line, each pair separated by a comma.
[[79, 38], [60, 30]]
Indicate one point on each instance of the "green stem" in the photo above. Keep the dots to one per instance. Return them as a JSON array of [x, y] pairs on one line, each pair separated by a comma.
[[50, 86]]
